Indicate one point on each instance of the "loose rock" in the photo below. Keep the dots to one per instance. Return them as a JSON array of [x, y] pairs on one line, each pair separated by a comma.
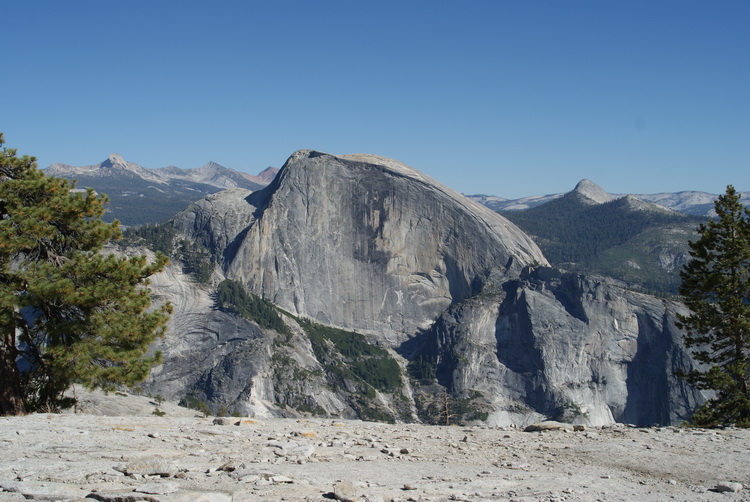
[[548, 426], [53, 461], [728, 487], [344, 491]]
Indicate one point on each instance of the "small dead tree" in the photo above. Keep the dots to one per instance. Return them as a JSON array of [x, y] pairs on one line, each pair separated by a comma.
[[445, 404]]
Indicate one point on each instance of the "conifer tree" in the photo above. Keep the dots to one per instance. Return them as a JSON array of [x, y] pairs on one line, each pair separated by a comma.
[[716, 288], [69, 312]]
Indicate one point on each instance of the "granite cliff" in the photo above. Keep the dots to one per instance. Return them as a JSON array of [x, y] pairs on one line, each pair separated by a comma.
[[555, 345], [452, 298], [358, 242]]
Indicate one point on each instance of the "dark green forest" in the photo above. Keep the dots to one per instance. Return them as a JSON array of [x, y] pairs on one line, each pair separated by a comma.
[[134, 201], [612, 239], [162, 237], [231, 296], [370, 363]]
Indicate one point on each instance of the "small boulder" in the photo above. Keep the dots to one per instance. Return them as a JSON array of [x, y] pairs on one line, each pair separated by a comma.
[[344, 491], [226, 421], [548, 426], [149, 467], [281, 479], [728, 487]]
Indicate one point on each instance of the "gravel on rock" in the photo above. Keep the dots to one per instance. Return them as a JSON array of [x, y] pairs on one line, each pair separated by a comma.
[[176, 458]]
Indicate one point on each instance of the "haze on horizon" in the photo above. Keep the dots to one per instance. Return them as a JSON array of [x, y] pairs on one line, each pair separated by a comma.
[[503, 98]]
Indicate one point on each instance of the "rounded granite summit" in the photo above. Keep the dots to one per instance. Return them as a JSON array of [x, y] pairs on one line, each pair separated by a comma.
[[367, 243], [592, 191]]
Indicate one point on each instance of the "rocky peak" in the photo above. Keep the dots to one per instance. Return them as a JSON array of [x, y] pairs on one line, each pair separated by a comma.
[[268, 174], [114, 166], [591, 190], [212, 166], [115, 160], [362, 242], [636, 204], [207, 171]]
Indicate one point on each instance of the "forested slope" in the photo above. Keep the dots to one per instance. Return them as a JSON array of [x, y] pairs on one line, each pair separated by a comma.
[[625, 238]]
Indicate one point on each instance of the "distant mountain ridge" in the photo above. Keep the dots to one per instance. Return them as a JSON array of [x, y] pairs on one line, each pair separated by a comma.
[[140, 195], [211, 174], [114, 165], [590, 231], [687, 202]]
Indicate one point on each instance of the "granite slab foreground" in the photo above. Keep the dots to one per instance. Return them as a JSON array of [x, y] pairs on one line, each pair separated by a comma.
[[170, 459]]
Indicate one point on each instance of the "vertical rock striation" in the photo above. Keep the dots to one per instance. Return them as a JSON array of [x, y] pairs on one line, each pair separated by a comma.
[[564, 347], [464, 297], [360, 242]]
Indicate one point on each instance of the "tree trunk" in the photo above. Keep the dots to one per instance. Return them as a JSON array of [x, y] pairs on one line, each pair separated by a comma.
[[11, 397]]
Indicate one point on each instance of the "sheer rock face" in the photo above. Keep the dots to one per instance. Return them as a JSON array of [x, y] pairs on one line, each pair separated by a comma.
[[218, 219], [360, 242], [368, 244], [563, 347]]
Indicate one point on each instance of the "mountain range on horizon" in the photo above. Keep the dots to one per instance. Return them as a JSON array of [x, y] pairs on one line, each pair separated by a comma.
[[119, 178], [690, 202], [639, 239], [211, 173], [590, 231], [140, 195]]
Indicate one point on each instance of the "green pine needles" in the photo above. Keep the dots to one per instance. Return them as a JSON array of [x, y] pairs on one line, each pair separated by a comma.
[[69, 312], [231, 296], [716, 288]]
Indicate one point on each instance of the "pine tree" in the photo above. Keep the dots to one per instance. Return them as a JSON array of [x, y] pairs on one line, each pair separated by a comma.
[[69, 312], [716, 288]]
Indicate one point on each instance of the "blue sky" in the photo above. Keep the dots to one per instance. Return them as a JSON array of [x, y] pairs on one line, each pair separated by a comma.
[[509, 98]]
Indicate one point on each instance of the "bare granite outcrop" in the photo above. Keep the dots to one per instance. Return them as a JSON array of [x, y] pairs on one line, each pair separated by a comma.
[[136, 456], [368, 244]]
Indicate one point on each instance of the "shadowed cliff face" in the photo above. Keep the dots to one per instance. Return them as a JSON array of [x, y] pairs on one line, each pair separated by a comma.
[[560, 346], [361, 242]]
